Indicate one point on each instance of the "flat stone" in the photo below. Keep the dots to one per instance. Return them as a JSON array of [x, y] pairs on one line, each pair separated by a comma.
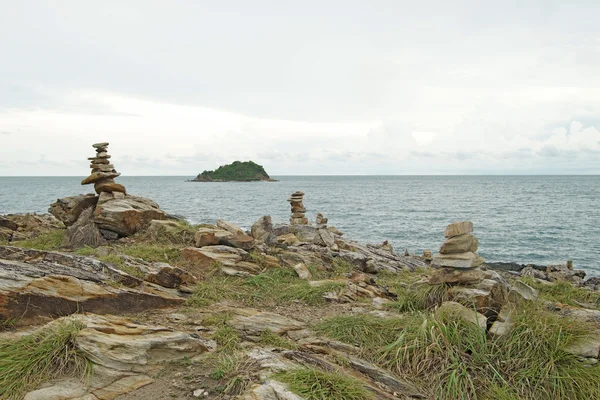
[[520, 291], [459, 260], [458, 228], [68, 209], [99, 161], [462, 276], [463, 313], [98, 176], [302, 271], [210, 236], [109, 186], [240, 241], [127, 215], [101, 156], [257, 322], [230, 227], [586, 346], [207, 256], [460, 244], [101, 144]]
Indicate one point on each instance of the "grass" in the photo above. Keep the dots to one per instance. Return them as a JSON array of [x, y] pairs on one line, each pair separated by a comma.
[[270, 288], [227, 339], [461, 362], [47, 241], [33, 359], [366, 331], [564, 292], [271, 339], [152, 252], [314, 384]]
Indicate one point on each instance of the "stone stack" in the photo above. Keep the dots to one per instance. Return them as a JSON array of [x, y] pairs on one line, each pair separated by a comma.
[[103, 172], [321, 221], [459, 249], [298, 211]]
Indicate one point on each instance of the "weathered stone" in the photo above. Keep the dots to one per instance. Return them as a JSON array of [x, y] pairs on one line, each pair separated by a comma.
[[210, 236], [243, 241], [100, 145], [109, 186], [270, 390], [68, 209], [98, 176], [7, 223], [84, 232], [167, 276], [457, 310], [458, 228], [460, 276], [488, 296], [229, 227], [427, 255], [262, 228], [586, 346], [460, 260], [208, 256], [520, 291], [128, 215], [500, 328], [302, 271], [324, 238], [256, 322], [288, 239], [460, 244]]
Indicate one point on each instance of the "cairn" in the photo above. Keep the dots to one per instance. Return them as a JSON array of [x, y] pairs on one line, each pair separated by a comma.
[[103, 172], [298, 211], [457, 259], [321, 221]]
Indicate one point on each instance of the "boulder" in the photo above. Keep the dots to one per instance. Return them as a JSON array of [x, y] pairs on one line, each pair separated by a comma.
[[84, 232], [254, 322], [210, 236], [128, 215], [167, 275], [68, 209], [302, 271], [262, 228], [324, 238], [488, 296], [458, 228], [520, 291], [459, 260], [460, 244], [586, 346], [245, 242]]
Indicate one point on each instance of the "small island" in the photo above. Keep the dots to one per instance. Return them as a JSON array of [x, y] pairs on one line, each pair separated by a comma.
[[238, 171]]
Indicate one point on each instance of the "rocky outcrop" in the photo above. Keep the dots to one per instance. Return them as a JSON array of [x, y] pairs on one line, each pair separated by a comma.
[[124, 214], [68, 209], [262, 228], [37, 284]]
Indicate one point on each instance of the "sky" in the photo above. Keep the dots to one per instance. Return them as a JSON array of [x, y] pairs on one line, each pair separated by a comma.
[[302, 88]]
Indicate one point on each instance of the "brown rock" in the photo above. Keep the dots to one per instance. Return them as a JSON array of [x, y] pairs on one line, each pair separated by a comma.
[[244, 242], [230, 227], [98, 176], [127, 215], [459, 260], [458, 228], [109, 186], [461, 276], [460, 244], [68, 209], [208, 256]]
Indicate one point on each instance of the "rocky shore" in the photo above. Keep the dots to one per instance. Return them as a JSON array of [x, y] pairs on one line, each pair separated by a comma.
[[132, 304]]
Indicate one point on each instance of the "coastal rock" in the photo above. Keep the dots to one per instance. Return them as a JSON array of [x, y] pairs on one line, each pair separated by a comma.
[[127, 215], [458, 228], [520, 291], [586, 346], [459, 260], [458, 276], [84, 232], [167, 276], [262, 228], [109, 186], [302, 271], [488, 296], [460, 244], [298, 210], [243, 241], [68, 209], [99, 176], [210, 236], [254, 322], [207, 256], [457, 310], [230, 227]]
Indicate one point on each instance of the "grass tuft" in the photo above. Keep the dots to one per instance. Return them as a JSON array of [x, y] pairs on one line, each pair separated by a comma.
[[269, 338], [33, 359], [314, 384], [47, 241], [564, 292]]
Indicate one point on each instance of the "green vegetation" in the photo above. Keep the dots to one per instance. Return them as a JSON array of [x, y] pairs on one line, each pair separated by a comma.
[[51, 240], [246, 171], [565, 293], [48, 354], [271, 339], [272, 287], [457, 360], [314, 384]]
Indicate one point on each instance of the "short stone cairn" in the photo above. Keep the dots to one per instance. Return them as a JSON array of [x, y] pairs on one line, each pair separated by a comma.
[[103, 172], [298, 211], [321, 221]]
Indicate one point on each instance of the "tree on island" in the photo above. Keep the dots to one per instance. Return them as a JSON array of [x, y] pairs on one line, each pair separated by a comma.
[[246, 171]]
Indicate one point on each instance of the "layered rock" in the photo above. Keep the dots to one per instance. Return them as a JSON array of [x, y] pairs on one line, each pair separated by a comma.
[[103, 172], [298, 211], [459, 249]]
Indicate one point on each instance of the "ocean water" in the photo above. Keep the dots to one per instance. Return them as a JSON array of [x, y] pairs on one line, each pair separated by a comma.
[[524, 219]]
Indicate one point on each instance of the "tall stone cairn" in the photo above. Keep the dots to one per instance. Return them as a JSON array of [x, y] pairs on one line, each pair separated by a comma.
[[103, 172], [459, 249], [298, 211]]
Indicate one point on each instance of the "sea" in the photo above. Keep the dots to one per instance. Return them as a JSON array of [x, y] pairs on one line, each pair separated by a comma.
[[522, 219]]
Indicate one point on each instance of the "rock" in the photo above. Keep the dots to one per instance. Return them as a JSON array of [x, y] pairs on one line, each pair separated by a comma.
[[229, 227], [255, 322], [35, 284], [304, 233], [488, 296], [460, 260], [500, 328], [167, 276], [207, 256], [84, 232], [458, 228], [457, 310], [302, 271], [298, 209], [458, 276], [533, 272], [8, 224], [127, 215], [563, 272], [289, 239], [262, 228], [101, 145], [210, 236], [427, 255], [245, 242], [199, 393], [68, 209], [109, 186], [460, 244], [270, 390], [324, 238], [586, 346], [335, 231], [520, 291], [99, 176]]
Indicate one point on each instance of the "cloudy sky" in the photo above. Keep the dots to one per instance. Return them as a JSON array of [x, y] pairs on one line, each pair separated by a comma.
[[303, 87]]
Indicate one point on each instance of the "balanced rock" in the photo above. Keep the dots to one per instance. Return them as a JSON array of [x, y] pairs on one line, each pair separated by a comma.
[[458, 228], [103, 172], [298, 217], [457, 260], [460, 244], [458, 251]]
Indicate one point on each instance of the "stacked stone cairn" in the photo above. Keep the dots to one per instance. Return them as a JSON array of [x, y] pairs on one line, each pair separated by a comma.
[[103, 172], [298, 211], [321, 221], [323, 236]]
